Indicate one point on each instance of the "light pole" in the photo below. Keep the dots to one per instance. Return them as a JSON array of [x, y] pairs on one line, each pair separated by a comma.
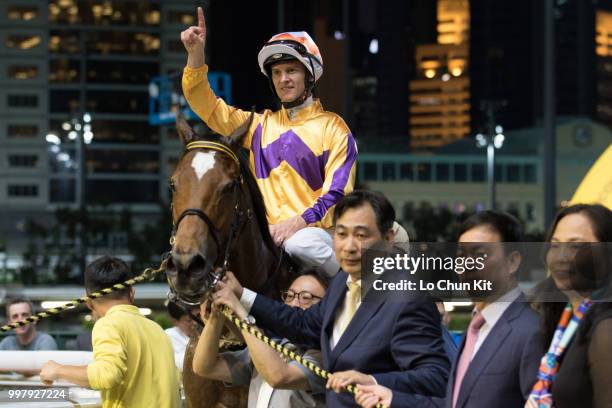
[[79, 131], [492, 141]]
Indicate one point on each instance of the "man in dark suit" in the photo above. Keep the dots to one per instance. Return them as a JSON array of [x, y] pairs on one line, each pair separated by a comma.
[[396, 344], [500, 353]]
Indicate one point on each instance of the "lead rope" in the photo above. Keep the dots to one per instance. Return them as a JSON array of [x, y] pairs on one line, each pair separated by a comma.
[[251, 329], [149, 274]]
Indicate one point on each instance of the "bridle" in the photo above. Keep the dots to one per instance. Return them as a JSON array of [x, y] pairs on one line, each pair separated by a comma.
[[238, 221]]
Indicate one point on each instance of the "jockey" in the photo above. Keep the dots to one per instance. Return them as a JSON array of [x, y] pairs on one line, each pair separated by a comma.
[[303, 157]]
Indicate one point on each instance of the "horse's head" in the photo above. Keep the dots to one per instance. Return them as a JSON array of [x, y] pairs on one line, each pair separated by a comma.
[[206, 201]]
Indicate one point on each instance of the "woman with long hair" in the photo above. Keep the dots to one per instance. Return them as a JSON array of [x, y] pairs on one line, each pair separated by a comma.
[[574, 302]]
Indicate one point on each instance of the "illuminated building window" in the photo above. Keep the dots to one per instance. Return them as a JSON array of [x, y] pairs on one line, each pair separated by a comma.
[[22, 42], [23, 160], [64, 42], [120, 131], [22, 190], [118, 102], [22, 71], [64, 71], [603, 35], [185, 18], [24, 13], [22, 131], [22, 101], [132, 72], [64, 11], [105, 12], [123, 43]]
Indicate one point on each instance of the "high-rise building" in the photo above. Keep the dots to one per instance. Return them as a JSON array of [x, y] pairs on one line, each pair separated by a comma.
[[440, 92], [507, 60], [603, 109], [81, 68]]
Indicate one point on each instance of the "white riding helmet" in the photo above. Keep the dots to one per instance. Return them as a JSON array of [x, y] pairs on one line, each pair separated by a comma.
[[289, 46]]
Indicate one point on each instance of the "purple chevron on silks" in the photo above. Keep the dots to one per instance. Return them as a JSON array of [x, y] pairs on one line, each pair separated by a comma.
[[291, 149], [336, 190]]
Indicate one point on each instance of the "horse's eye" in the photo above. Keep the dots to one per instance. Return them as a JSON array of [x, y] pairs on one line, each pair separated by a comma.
[[228, 188]]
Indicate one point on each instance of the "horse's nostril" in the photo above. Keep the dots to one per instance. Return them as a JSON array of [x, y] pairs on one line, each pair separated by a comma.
[[181, 259]]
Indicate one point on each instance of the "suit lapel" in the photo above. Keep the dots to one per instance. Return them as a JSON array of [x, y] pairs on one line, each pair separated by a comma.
[[362, 316], [492, 344], [336, 294]]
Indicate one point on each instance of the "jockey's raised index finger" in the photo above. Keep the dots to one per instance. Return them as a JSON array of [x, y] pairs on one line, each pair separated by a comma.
[[201, 22]]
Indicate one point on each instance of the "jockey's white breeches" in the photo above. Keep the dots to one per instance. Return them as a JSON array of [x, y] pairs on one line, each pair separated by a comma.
[[313, 247]]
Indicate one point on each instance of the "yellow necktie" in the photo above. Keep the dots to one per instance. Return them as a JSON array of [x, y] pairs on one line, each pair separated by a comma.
[[353, 295]]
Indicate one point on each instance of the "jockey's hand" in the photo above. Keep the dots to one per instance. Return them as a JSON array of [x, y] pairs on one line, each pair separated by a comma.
[[224, 296], [370, 395], [337, 381], [285, 229], [194, 40]]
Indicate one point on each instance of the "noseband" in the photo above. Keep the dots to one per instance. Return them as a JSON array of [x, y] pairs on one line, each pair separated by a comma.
[[238, 220]]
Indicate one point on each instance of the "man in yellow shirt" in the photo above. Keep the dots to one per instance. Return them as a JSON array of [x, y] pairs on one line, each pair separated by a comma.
[[133, 358], [302, 156]]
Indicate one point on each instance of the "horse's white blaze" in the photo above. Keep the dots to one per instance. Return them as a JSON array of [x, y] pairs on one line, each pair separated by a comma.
[[202, 162]]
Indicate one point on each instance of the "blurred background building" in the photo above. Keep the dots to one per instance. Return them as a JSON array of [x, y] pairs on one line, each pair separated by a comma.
[[82, 172]]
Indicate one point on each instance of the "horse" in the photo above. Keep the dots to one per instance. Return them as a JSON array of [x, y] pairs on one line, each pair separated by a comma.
[[219, 221]]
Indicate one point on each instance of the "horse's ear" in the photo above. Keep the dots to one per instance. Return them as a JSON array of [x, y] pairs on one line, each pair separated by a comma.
[[185, 132], [237, 136]]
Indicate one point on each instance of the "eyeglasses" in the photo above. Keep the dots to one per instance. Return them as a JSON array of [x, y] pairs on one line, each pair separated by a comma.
[[304, 297]]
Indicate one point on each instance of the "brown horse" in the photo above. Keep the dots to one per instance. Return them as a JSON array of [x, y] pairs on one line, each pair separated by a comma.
[[219, 222]]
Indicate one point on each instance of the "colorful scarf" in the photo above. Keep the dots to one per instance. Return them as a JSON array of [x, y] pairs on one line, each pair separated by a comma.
[[541, 394]]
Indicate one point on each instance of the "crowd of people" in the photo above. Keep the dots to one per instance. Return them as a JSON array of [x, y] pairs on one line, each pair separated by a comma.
[[519, 350], [516, 351]]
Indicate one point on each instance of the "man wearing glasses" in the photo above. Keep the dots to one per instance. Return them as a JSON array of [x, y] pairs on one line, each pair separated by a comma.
[[273, 382]]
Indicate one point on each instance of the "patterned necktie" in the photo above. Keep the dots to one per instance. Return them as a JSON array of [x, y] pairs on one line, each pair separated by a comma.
[[353, 297], [467, 353]]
